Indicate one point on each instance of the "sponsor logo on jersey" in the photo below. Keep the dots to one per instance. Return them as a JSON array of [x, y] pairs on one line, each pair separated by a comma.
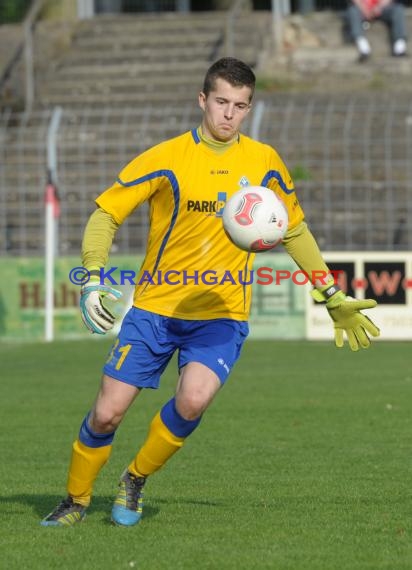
[[211, 207]]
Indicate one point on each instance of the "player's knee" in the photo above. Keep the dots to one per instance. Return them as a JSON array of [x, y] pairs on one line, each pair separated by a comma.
[[191, 406], [105, 421]]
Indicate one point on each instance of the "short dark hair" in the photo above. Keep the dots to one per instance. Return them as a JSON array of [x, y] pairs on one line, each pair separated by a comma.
[[232, 70]]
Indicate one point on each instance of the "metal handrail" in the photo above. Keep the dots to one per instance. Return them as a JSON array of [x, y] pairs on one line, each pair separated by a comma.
[[29, 23], [25, 48], [231, 17], [15, 58]]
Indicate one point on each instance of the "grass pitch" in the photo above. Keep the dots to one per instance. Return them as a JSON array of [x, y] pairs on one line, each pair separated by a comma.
[[303, 462]]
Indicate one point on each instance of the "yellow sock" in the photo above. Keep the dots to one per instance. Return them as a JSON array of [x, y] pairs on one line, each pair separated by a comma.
[[85, 465], [159, 446]]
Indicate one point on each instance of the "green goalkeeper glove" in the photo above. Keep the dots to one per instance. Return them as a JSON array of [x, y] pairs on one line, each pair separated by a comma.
[[346, 316]]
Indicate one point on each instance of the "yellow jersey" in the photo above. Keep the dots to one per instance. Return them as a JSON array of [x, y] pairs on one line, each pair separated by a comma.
[[191, 270]]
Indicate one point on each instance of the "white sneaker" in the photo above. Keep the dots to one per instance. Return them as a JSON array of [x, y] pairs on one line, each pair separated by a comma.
[[363, 46], [399, 47]]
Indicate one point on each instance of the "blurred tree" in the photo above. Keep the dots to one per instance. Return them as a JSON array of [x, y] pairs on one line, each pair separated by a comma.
[[13, 10]]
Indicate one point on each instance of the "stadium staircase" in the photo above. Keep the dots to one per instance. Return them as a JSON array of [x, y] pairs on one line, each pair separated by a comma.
[[127, 82], [140, 59], [124, 83]]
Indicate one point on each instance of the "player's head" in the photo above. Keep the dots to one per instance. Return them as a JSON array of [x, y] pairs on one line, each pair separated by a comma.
[[232, 70], [226, 98]]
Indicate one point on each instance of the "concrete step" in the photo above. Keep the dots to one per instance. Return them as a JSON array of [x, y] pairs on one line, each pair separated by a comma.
[[155, 54], [136, 68], [118, 84], [124, 23], [136, 41], [81, 99], [79, 123], [344, 61], [164, 23]]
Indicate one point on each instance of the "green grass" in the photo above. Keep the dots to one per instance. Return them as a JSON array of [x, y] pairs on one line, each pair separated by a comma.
[[303, 462]]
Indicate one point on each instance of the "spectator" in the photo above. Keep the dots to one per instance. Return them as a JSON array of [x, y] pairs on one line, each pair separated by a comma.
[[391, 12]]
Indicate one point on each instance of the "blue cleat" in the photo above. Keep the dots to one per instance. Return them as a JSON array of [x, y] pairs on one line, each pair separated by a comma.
[[128, 505], [67, 513]]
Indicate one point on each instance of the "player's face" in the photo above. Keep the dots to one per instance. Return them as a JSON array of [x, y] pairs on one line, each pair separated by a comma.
[[224, 110]]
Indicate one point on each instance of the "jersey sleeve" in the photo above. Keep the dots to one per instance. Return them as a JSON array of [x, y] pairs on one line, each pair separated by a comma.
[[136, 183], [279, 180], [97, 239], [301, 245]]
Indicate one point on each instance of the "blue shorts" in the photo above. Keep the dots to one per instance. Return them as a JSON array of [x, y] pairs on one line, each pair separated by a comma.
[[147, 342]]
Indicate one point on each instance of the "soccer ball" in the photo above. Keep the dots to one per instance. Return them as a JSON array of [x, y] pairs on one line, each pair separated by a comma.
[[255, 219]]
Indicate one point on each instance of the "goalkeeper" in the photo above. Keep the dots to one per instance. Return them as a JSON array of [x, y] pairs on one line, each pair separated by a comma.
[[186, 181]]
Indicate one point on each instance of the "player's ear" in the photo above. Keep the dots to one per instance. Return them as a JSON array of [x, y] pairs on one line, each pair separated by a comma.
[[202, 100]]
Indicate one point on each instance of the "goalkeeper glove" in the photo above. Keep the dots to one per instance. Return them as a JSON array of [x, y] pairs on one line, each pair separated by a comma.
[[95, 314], [346, 316]]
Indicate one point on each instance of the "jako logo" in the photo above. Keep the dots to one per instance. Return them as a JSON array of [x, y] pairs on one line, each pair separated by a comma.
[[209, 206]]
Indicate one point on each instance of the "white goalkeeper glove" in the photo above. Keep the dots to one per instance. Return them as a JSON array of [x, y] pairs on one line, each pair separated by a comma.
[[95, 314]]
